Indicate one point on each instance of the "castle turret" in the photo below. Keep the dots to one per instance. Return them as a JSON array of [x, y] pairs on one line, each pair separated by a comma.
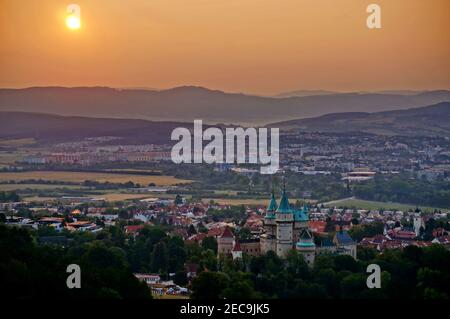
[[237, 250], [284, 220], [273, 206], [268, 239], [301, 220], [306, 247], [418, 222], [225, 242]]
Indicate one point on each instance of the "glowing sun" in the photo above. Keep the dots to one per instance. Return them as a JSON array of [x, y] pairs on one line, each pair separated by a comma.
[[73, 22]]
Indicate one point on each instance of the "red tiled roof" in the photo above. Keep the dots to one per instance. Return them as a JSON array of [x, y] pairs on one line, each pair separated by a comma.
[[422, 243], [402, 234], [52, 219], [376, 240], [217, 231], [393, 244], [317, 226], [198, 237], [79, 223], [227, 233], [133, 228], [438, 232]]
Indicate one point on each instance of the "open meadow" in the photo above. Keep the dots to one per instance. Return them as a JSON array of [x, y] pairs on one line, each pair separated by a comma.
[[374, 205], [251, 202]]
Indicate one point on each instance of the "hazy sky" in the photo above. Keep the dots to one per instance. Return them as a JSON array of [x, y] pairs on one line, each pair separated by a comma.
[[254, 46]]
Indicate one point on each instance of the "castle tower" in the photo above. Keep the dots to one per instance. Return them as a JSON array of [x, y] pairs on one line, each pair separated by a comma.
[[237, 250], [301, 219], [418, 222], [225, 242], [306, 247], [284, 219], [268, 240]]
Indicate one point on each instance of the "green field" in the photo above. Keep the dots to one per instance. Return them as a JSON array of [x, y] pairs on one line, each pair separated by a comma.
[[247, 201], [373, 205]]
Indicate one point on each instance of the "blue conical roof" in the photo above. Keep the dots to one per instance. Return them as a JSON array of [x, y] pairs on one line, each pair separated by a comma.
[[284, 204], [273, 204], [302, 214]]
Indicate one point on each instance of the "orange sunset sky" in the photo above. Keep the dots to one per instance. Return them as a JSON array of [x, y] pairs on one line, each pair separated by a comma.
[[253, 46]]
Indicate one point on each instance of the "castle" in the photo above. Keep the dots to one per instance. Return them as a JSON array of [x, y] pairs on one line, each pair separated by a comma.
[[284, 229]]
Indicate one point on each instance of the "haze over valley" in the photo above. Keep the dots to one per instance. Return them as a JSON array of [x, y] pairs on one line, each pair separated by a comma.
[[212, 106]]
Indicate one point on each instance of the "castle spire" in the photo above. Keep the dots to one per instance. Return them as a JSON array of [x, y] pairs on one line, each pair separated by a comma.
[[284, 202], [273, 203]]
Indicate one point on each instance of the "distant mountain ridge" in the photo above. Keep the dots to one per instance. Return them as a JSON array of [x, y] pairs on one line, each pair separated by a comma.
[[433, 120], [212, 106], [50, 128], [47, 128], [301, 93]]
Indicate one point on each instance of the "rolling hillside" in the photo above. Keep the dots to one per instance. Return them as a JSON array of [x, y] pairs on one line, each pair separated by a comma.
[[46, 128], [189, 103], [429, 120]]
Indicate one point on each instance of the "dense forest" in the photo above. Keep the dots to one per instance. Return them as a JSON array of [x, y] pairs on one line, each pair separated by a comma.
[[107, 259], [410, 273], [403, 189], [31, 270]]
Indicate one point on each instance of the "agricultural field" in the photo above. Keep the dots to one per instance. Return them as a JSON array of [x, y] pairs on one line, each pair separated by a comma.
[[373, 205], [9, 158], [18, 150], [79, 177], [226, 192], [109, 197], [113, 197], [19, 187], [137, 170], [18, 142], [237, 201], [39, 199]]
